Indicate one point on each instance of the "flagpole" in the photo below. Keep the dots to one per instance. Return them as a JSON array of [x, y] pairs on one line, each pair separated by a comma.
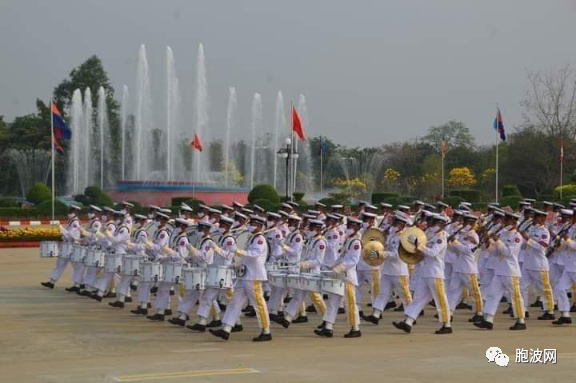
[[321, 167], [53, 157], [442, 154], [561, 164], [497, 148]]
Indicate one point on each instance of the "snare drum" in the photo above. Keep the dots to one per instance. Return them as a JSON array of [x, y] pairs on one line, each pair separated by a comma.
[[172, 272], [333, 286], [94, 258], [78, 254], [150, 272], [131, 265], [48, 249], [311, 282], [194, 278], [272, 267], [113, 263], [278, 279], [219, 277], [65, 250], [293, 281]]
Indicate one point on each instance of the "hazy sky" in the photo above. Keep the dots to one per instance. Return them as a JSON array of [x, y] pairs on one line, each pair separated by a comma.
[[372, 71]]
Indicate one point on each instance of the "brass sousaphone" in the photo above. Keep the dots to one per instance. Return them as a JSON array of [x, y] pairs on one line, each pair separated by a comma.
[[373, 247], [407, 251]]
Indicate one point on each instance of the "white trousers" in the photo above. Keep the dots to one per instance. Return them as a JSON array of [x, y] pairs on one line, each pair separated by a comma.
[[349, 299], [78, 273], [504, 286], [91, 276], [124, 284], [540, 280], [299, 297], [486, 276], [563, 287], [276, 299], [247, 291], [163, 296], [188, 301], [460, 281], [59, 268], [370, 278], [105, 281], [389, 283], [144, 293], [208, 304], [426, 290]]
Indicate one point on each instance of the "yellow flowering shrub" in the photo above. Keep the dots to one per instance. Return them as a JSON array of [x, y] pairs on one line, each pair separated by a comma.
[[30, 234]]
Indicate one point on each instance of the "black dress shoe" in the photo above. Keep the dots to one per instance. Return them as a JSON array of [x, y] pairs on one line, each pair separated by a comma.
[[399, 308], [84, 293], [220, 334], [247, 309], [154, 289], [509, 310], [463, 306], [321, 326], [168, 312], [432, 303], [280, 314], [563, 320], [140, 311], [421, 313], [127, 299], [214, 323], [390, 305], [443, 330], [353, 334], [573, 309], [50, 285], [325, 297], [117, 304], [133, 287], [149, 305], [484, 324], [301, 319], [476, 318], [262, 338], [287, 299], [97, 297], [341, 310], [403, 326], [518, 326], [372, 319], [282, 322], [537, 304], [197, 327], [526, 314], [222, 306], [324, 332], [237, 328], [503, 300], [172, 292], [250, 314], [547, 316], [272, 317], [110, 295], [72, 289], [311, 309], [266, 297], [156, 317], [177, 321]]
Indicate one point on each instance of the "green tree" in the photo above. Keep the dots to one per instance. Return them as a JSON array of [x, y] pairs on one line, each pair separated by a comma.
[[38, 192], [454, 133]]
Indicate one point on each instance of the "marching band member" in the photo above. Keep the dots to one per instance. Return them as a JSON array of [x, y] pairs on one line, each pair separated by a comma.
[[92, 227], [202, 213], [126, 209], [137, 245], [283, 225], [70, 234], [115, 242], [187, 213], [394, 274], [224, 254], [568, 279], [431, 284], [367, 274], [345, 264], [311, 262], [465, 272], [387, 216], [321, 210], [507, 275], [237, 206], [556, 256], [275, 240], [536, 267], [201, 255], [451, 229], [227, 211], [159, 241], [240, 221], [441, 208], [249, 284], [487, 262]]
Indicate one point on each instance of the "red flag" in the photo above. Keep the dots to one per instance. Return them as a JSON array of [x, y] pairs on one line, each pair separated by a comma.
[[444, 148], [561, 150], [196, 143], [297, 125]]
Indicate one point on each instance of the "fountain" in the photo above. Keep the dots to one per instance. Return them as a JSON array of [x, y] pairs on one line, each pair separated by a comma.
[[256, 128], [123, 133], [105, 141], [230, 121], [76, 156], [143, 120], [87, 128], [201, 113], [279, 126], [32, 165]]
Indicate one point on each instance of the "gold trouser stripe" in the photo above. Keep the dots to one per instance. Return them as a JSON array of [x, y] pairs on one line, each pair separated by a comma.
[[213, 309], [229, 293], [318, 302], [518, 305], [574, 293], [545, 277], [182, 290], [261, 305], [375, 283], [441, 293], [476, 292], [465, 293], [351, 299], [406, 289]]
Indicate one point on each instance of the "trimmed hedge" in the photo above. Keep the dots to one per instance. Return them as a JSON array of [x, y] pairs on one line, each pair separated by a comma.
[[381, 197], [511, 200], [266, 205], [263, 191], [298, 196], [508, 190], [45, 208], [8, 202], [467, 195], [38, 193], [395, 201], [453, 200]]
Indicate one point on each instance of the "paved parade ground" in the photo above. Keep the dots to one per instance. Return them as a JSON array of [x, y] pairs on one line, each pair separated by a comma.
[[56, 336]]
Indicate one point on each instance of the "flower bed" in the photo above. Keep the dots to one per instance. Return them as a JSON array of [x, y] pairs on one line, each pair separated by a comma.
[[30, 234]]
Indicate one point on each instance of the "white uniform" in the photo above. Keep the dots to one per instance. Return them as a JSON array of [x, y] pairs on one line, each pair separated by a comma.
[[431, 284], [536, 268], [116, 244], [202, 257], [159, 240], [369, 275], [91, 274], [568, 278], [248, 287], [139, 238], [70, 234], [292, 253], [79, 268]]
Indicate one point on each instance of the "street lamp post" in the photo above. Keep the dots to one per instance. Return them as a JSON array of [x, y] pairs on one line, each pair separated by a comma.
[[288, 153]]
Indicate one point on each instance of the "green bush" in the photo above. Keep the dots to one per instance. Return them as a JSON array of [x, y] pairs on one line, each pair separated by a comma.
[[93, 192], [567, 190], [511, 200], [266, 205], [328, 201], [83, 199], [394, 201], [508, 190], [453, 200], [340, 198], [298, 196], [8, 202], [381, 197], [263, 191], [38, 193], [176, 201], [194, 203], [467, 195], [104, 200], [44, 208]]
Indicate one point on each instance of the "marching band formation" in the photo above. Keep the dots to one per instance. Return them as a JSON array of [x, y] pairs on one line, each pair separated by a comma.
[[278, 266]]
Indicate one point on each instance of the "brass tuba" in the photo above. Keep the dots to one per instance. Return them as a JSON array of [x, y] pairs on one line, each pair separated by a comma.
[[407, 250], [373, 247]]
